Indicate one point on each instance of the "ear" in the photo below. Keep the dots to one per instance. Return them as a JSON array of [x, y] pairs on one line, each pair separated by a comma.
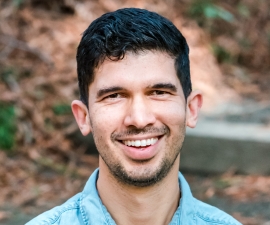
[[81, 115], [194, 103]]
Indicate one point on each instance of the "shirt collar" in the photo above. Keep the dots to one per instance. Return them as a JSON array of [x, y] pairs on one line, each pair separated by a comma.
[[186, 209], [91, 207], [94, 212]]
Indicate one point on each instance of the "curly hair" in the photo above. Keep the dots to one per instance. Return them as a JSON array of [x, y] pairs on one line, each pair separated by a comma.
[[130, 30]]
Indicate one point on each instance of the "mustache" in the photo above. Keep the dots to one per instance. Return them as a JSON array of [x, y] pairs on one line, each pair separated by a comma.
[[146, 130]]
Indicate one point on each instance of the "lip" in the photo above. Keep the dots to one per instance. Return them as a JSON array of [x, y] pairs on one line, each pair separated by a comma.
[[141, 153]]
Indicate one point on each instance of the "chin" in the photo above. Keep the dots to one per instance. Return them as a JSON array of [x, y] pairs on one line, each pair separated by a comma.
[[142, 175]]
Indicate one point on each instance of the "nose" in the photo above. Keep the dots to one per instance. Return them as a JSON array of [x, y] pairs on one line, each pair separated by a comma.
[[139, 114]]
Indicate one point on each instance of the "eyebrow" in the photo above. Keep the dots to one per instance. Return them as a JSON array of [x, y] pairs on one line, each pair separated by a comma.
[[168, 86], [107, 90]]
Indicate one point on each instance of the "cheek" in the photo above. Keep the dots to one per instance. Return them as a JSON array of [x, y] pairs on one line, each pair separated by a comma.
[[173, 114], [105, 120]]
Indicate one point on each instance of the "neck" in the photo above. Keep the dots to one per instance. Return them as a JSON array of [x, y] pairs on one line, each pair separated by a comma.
[[140, 205]]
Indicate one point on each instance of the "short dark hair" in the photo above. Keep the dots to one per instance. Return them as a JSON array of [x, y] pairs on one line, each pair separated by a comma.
[[130, 30]]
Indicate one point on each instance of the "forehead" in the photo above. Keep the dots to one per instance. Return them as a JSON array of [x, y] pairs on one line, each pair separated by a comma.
[[142, 66]]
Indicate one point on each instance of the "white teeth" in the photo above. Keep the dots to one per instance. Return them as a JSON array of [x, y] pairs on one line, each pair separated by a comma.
[[137, 143], [141, 143]]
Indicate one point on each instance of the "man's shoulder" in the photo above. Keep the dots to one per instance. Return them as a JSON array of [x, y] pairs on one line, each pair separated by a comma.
[[207, 214], [62, 214]]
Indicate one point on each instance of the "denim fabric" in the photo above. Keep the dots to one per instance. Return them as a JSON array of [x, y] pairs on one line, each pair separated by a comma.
[[86, 208]]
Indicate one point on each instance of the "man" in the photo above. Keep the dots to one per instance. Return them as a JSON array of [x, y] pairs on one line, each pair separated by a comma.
[[136, 99]]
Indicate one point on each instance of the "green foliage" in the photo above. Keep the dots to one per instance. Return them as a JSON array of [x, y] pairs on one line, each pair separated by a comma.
[[206, 9], [6, 73], [222, 55], [221, 183], [48, 124], [268, 37], [245, 43], [243, 10], [62, 109], [7, 127], [49, 163], [17, 3]]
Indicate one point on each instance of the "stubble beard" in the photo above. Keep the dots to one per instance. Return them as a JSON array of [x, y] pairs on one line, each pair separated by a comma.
[[147, 176]]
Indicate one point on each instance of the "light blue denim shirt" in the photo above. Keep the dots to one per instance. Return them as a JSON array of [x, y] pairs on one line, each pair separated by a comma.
[[86, 208]]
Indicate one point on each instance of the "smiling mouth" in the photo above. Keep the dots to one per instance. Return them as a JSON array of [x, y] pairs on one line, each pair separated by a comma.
[[140, 143]]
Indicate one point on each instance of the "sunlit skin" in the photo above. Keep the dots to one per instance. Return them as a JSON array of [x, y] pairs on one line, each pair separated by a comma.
[[138, 98]]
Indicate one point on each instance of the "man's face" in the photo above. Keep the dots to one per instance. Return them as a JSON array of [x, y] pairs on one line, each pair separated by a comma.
[[137, 114]]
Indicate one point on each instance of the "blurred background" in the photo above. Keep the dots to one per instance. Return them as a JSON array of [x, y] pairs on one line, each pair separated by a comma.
[[44, 159]]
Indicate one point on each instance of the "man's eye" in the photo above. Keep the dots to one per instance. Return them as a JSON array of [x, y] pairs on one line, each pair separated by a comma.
[[115, 95], [158, 92]]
